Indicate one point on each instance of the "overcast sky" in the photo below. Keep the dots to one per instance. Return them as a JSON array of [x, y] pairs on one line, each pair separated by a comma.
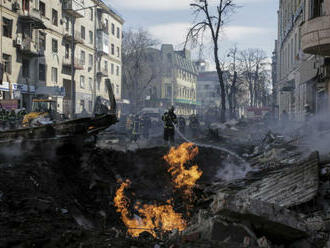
[[254, 25]]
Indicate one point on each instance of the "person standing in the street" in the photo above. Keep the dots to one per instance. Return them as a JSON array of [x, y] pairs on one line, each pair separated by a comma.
[[182, 124], [169, 119]]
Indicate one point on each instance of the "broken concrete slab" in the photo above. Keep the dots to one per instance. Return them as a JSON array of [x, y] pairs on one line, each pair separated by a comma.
[[289, 186], [217, 229], [277, 224]]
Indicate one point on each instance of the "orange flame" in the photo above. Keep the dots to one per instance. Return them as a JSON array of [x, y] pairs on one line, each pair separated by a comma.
[[151, 217], [183, 178]]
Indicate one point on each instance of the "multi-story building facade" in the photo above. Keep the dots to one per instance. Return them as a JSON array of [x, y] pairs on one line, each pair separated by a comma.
[[301, 70], [176, 83], [57, 49]]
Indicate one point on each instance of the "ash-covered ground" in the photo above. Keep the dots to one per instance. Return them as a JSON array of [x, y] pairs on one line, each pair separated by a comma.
[[271, 190]]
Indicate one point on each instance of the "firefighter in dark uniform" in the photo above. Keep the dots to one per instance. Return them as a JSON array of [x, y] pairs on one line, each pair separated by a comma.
[[182, 124], [169, 119]]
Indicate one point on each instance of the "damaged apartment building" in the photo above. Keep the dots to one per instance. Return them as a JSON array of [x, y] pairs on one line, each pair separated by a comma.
[[302, 50], [60, 49]]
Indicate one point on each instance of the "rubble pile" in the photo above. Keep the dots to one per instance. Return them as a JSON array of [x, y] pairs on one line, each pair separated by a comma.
[[99, 197]]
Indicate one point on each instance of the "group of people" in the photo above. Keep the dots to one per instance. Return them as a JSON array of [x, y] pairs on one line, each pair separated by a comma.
[[170, 121], [138, 126], [11, 119]]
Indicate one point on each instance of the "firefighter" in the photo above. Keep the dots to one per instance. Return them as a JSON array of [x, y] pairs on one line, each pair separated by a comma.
[[182, 124], [194, 125], [169, 119]]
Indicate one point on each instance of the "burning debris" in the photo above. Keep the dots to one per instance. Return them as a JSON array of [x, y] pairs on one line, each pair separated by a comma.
[[151, 218]]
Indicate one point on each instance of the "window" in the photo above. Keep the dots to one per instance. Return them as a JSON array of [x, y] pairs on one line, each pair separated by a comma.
[[90, 60], [118, 33], [106, 66], [90, 106], [317, 8], [82, 82], [7, 63], [7, 27], [42, 72], [54, 75], [112, 49], [112, 69], [54, 46], [67, 23], [90, 83], [91, 14], [25, 68], [82, 32], [82, 105], [26, 5], [113, 28], [42, 41], [67, 50], [118, 52], [42, 8], [117, 70], [82, 57], [54, 17], [107, 25], [90, 37]]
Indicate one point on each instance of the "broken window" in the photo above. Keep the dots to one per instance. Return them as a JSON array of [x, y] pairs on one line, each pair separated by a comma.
[[54, 17], [42, 72], [7, 27], [7, 63], [42, 8], [25, 68]]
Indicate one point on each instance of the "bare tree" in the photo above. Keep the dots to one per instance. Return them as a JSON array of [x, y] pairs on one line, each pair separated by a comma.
[[232, 87], [212, 19], [138, 74], [252, 62]]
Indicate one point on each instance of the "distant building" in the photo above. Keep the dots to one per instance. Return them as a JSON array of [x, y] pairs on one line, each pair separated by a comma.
[[36, 47], [176, 83]]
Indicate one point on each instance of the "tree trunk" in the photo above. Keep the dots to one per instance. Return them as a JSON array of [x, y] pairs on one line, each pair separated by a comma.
[[222, 85]]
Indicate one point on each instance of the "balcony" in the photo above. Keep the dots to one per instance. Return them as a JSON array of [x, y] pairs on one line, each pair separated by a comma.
[[102, 72], [31, 18], [77, 37], [316, 36], [74, 8], [78, 63], [30, 48], [102, 43]]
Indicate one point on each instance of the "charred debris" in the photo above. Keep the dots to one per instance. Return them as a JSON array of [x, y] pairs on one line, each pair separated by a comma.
[[272, 190]]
